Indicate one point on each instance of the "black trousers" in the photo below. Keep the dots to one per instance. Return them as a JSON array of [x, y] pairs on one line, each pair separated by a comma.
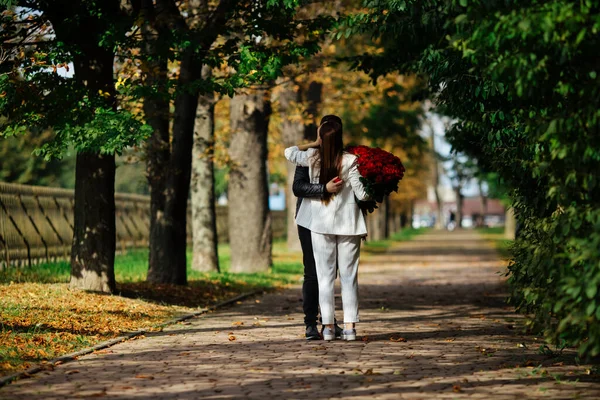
[[310, 287]]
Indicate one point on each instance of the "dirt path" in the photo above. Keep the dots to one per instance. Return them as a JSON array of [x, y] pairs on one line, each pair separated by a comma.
[[434, 325]]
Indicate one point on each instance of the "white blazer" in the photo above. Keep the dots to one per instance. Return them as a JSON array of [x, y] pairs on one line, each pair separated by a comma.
[[341, 216]]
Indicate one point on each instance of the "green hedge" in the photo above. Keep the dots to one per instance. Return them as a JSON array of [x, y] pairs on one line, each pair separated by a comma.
[[522, 79]]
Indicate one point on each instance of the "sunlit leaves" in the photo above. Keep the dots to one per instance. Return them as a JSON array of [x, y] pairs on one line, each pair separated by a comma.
[[521, 78]]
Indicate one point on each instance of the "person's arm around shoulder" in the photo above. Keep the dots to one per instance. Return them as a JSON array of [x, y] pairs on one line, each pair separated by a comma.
[[357, 186], [303, 188], [299, 155]]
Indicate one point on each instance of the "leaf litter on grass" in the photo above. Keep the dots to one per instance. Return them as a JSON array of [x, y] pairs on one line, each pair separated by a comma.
[[52, 320]]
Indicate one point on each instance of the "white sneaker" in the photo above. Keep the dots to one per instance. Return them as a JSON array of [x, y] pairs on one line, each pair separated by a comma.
[[349, 334], [328, 334]]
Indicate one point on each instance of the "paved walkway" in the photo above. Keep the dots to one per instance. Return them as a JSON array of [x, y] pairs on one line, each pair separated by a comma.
[[435, 326]]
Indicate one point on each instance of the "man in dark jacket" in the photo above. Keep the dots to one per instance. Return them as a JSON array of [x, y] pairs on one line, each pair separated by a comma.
[[310, 288]]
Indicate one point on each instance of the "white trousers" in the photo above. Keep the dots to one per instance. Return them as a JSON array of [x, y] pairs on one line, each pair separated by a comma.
[[344, 251]]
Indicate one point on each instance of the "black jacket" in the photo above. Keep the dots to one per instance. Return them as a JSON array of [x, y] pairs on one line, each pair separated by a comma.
[[303, 188]]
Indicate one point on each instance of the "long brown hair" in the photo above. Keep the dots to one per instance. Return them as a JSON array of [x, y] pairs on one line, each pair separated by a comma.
[[331, 153]]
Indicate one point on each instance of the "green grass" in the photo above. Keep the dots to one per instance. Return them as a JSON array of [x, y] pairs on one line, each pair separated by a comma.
[[40, 318], [496, 236], [381, 246], [133, 267]]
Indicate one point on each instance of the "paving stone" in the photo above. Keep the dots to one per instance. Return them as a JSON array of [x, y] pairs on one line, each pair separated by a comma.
[[434, 326]]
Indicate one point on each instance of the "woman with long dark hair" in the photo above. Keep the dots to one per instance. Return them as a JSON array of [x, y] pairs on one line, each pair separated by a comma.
[[336, 222]]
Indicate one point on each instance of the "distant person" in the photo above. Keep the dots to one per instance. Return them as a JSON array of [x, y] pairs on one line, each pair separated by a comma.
[[452, 221]]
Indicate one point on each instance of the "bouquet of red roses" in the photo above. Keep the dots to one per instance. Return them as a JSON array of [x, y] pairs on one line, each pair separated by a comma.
[[381, 172]]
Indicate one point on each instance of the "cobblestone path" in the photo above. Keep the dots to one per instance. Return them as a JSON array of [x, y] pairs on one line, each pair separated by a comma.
[[434, 325]]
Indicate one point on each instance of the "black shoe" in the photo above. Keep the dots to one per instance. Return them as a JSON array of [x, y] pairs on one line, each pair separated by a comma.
[[338, 331], [312, 333]]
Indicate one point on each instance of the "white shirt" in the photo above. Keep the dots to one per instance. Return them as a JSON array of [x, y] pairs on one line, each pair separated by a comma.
[[341, 216]]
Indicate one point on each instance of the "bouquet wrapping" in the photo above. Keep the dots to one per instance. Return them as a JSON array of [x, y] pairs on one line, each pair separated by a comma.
[[381, 172]]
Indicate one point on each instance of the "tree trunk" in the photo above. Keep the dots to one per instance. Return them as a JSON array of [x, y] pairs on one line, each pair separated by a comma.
[[250, 231], [314, 97], [510, 224], [93, 250], [384, 217], [439, 224], [404, 220], [164, 263], [94, 233], [375, 221], [459, 206], [483, 199], [292, 132], [411, 215], [170, 265], [392, 222], [157, 114], [204, 216]]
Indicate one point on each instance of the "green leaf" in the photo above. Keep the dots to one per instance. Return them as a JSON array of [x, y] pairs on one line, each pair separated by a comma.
[[591, 290]]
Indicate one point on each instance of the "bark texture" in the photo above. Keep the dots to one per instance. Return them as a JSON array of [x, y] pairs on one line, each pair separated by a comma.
[[292, 132], [484, 202], [158, 149], [459, 206], [94, 241], [204, 223], [439, 218], [510, 224], [250, 232], [168, 244], [93, 250]]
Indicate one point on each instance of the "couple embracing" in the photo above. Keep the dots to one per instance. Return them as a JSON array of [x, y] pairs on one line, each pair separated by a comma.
[[330, 226]]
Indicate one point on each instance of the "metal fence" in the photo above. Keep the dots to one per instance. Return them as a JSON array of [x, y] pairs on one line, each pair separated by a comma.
[[36, 223]]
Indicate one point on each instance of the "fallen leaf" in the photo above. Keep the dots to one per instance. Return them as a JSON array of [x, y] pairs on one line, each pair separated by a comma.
[[370, 372], [142, 376], [397, 339], [237, 323], [456, 389], [231, 338]]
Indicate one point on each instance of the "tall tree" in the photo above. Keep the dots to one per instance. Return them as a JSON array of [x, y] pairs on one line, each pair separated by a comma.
[[204, 218], [81, 110], [195, 44], [292, 133], [250, 223]]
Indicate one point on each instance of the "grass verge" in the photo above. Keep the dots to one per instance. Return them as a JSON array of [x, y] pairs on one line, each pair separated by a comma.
[[496, 237], [374, 247], [41, 318]]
